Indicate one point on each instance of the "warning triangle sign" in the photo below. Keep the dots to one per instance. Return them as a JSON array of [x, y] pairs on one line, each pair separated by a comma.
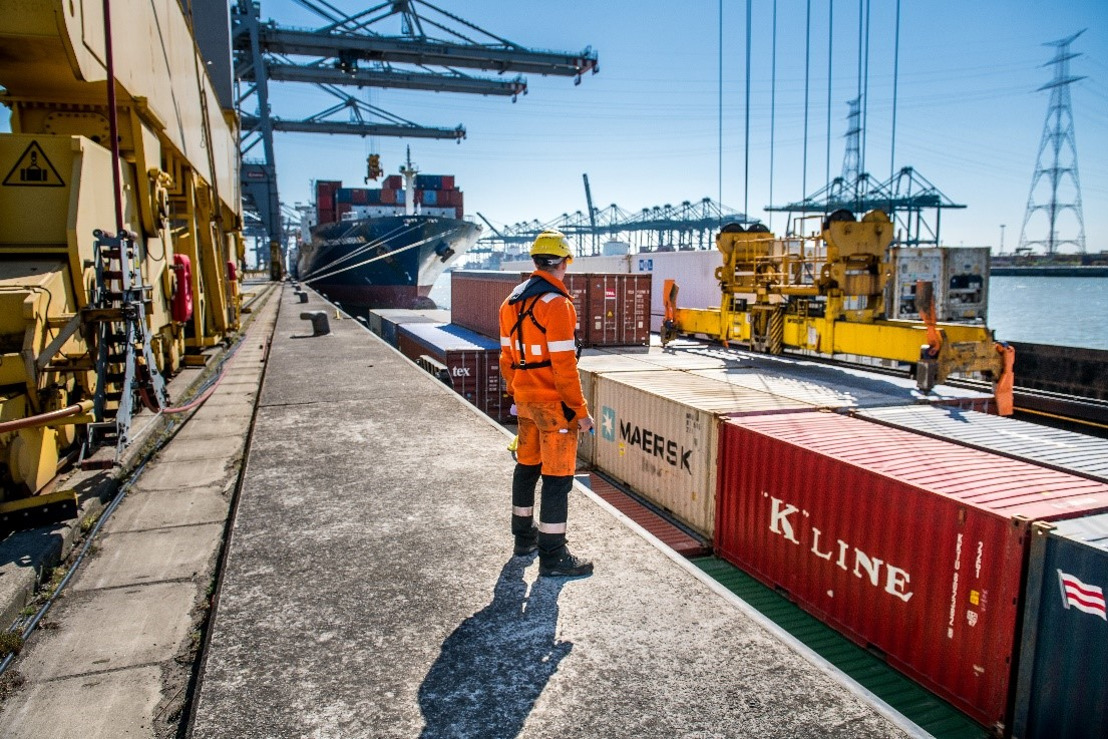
[[33, 169]]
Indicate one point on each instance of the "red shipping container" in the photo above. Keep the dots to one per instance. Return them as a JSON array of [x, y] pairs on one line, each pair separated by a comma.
[[325, 202], [388, 197], [471, 362], [618, 310], [327, 216], [912, 545], [327, 187], [342, 209], [476, 296], [393, 182]]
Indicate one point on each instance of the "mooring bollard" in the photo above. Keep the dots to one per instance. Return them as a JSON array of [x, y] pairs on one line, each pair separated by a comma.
[[303, 297], [320, 325]]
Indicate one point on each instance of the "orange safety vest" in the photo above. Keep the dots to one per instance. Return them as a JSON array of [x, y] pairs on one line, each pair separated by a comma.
[[538, 348]]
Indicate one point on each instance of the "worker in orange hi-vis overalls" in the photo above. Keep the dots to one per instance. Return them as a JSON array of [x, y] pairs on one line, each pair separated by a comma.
[[538, 358]]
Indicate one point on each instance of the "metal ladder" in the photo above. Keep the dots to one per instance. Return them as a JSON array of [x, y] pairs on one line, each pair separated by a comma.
[[117, 316]]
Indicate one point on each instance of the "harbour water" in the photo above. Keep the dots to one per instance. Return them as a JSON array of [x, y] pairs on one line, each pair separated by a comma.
[[1064, 311]]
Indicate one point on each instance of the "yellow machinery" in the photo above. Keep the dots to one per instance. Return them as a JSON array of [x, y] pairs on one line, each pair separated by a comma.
[[114, 265], [826, 296]]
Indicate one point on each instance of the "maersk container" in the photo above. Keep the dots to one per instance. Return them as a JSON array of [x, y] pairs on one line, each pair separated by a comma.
[[470, 361], [1066, 451], [910, 545], [831, 387], [657, 435], [684, 356], [1062, 687], [383, 321]]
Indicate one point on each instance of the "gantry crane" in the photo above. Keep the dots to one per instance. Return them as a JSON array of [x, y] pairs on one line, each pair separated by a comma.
[[428, 52]]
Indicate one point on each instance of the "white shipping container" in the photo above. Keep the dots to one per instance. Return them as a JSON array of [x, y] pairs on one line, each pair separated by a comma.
[[657, 434], [694, 272]]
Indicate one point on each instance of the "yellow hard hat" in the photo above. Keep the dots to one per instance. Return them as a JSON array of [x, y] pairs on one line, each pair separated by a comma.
[[551, 244]]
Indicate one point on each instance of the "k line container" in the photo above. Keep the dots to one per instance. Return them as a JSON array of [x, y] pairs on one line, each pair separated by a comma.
[[657, 434], [1066, 451], [471, 362], [908, 544], [834, 388], [384, 321], [1062, 688]]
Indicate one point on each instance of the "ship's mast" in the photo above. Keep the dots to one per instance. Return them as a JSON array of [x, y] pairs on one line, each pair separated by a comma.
[[409, 171]]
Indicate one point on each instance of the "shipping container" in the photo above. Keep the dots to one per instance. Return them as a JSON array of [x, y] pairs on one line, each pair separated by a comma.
[[389, 196], [476, 296], [1078, 454], [610, 308], [434, 182], [835, 388], [657, 430], [472, 362], [384, 321], [1062, 687], [327, 187], [325, 201], [693, 271], [681, 355], [617, 310], [430, 197], [392, 182], [912, 546], [959, 277], [344, 195], [326, 215]]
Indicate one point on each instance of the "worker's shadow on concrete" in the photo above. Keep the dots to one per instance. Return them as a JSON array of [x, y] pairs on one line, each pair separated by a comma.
[[495, 665]]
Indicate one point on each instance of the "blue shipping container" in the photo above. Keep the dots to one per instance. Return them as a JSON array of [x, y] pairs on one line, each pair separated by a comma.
[[1062, 682]]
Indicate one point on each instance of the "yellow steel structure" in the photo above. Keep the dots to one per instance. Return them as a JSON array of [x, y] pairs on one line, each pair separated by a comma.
[[826, 296], [178, 168]]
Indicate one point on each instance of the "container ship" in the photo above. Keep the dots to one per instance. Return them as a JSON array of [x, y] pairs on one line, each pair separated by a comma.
[[384, 248]]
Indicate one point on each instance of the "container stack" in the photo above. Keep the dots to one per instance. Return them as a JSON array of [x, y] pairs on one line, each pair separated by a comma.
[[612, 310], [435, 194]]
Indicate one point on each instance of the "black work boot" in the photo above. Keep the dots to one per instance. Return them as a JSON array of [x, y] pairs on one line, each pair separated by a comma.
[[566, 565], [527, 543]]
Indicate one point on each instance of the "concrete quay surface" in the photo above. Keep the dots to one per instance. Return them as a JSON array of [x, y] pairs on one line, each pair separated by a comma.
[[113, 656], [369, 588]]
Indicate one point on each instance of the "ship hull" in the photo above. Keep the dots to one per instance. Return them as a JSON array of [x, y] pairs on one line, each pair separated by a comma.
[[383, 262]]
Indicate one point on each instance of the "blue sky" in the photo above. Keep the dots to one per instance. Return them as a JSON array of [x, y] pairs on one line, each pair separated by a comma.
[[646, 128]]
